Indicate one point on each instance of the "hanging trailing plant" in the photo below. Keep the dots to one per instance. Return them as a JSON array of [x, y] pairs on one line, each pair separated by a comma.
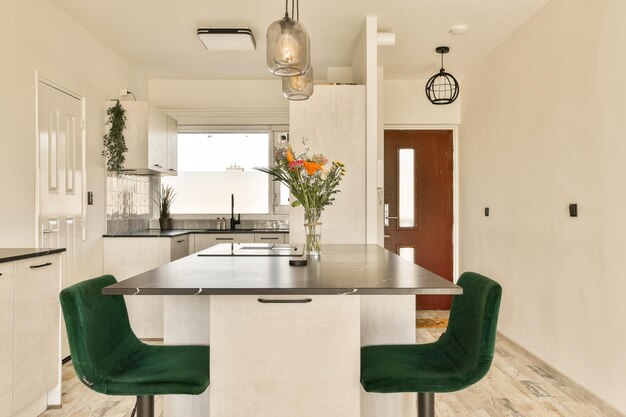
[[114, 141]]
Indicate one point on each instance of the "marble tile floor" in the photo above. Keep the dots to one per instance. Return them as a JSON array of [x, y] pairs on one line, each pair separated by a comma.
[[518, 385]]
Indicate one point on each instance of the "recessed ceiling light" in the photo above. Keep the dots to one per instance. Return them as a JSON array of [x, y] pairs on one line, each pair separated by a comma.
[[227, 39], [458, 30]]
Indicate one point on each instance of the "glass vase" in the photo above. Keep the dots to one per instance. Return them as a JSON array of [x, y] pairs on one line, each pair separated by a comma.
[[313, 231]]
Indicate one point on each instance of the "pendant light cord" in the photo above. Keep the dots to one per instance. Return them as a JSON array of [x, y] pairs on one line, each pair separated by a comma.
[[295, 9]]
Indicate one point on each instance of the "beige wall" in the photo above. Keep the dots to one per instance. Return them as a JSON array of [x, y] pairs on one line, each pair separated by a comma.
[[37, 35], [405, 103], [542, 128], [221, 101]]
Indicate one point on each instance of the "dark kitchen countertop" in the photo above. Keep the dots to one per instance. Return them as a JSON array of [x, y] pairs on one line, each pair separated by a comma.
[[341, 269], [176, 233], [16, 254]]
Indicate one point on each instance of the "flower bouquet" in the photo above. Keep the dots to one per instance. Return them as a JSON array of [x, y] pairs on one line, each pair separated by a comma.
[[312, 185]]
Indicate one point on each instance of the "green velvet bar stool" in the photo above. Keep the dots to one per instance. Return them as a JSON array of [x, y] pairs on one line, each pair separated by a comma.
[[460, 358], [110, 359]]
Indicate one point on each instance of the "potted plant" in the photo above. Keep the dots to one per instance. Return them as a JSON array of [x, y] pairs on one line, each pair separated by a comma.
[[164, 199]]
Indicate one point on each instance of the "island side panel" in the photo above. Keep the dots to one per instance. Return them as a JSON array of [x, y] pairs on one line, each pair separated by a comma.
[[386, 320], [285, 360], [187, 322]]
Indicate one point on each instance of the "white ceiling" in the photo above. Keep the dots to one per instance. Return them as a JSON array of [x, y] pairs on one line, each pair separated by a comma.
[[159, 36]]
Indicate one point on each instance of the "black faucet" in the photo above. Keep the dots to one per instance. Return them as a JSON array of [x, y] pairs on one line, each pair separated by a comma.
[[233, 222]]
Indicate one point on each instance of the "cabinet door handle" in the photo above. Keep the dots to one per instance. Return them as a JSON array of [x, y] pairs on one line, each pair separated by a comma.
[[224, 238], [158, 166], [173, 170], [40, 266], [268, 238], [284, 301], [180, 241]]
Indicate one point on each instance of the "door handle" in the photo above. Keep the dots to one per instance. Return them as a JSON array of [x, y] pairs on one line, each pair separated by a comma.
[[387, 216], [44, 232], [283, 301], [41, 265]]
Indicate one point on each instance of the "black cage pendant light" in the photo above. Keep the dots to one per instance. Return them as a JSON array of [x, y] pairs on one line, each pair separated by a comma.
[[288, 48], [442, 88]]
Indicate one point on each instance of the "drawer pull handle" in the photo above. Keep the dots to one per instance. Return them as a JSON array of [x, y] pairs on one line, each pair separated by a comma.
[[285, 301], [40, 266], [180, 241], [158, 166], [224, 238], [268, 238]]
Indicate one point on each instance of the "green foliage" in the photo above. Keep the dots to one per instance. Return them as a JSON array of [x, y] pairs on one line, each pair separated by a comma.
[[164, 199], [114, 141]]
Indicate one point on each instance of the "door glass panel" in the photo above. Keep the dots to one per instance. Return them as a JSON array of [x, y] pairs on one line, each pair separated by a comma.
[[406, 188], [407, 253]]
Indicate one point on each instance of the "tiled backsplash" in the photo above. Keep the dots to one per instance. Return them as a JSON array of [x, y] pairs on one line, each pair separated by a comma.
[[129, 202]]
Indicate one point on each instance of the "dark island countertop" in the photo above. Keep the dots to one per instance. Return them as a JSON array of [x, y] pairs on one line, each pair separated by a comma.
[[341, 270], [181, 232], [16, 254]]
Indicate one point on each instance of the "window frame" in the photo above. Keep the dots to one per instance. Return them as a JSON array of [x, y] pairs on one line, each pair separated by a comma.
[[273, 196]]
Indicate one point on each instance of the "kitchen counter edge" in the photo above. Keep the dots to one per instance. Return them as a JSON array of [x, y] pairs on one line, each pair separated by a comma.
[[17, 254], [177, 233]]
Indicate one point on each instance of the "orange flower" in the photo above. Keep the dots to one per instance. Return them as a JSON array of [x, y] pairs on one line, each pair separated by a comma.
[[289, 156], [312, 167]]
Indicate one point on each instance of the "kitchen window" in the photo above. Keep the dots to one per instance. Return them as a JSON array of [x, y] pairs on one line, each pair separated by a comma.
[[214, 165]]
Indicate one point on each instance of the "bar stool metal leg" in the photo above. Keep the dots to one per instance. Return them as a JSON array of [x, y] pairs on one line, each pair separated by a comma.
[[145, 406], [425, 404]]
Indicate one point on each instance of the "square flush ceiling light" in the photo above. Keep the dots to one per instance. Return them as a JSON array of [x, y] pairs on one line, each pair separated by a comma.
[[227, 39]]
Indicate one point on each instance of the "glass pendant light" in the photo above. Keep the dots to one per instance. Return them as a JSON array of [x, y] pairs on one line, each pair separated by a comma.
[[299, 87], [288, 46]]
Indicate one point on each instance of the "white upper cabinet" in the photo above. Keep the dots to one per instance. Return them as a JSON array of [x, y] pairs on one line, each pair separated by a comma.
[[151, 139], [172, 145]]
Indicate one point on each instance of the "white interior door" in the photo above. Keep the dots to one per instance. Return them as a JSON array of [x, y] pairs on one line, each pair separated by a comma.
[[61, 174]]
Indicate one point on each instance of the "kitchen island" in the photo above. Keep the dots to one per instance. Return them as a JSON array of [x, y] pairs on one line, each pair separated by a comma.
[[285, 340]]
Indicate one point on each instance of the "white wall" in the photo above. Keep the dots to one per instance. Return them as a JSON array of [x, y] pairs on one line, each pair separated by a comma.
[[365, 71], [542, 128], [333, 121], [221, 101], [37, 35], [405, 103]]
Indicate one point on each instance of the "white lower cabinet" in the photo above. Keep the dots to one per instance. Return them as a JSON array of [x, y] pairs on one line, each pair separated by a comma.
[[206, 240], [36, 328], [125, 257], [203, 241], [30, 319], [6, 338], [269, 238]]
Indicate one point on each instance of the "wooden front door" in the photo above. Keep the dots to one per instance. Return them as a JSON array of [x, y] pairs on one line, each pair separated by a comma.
[[418, 203]]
